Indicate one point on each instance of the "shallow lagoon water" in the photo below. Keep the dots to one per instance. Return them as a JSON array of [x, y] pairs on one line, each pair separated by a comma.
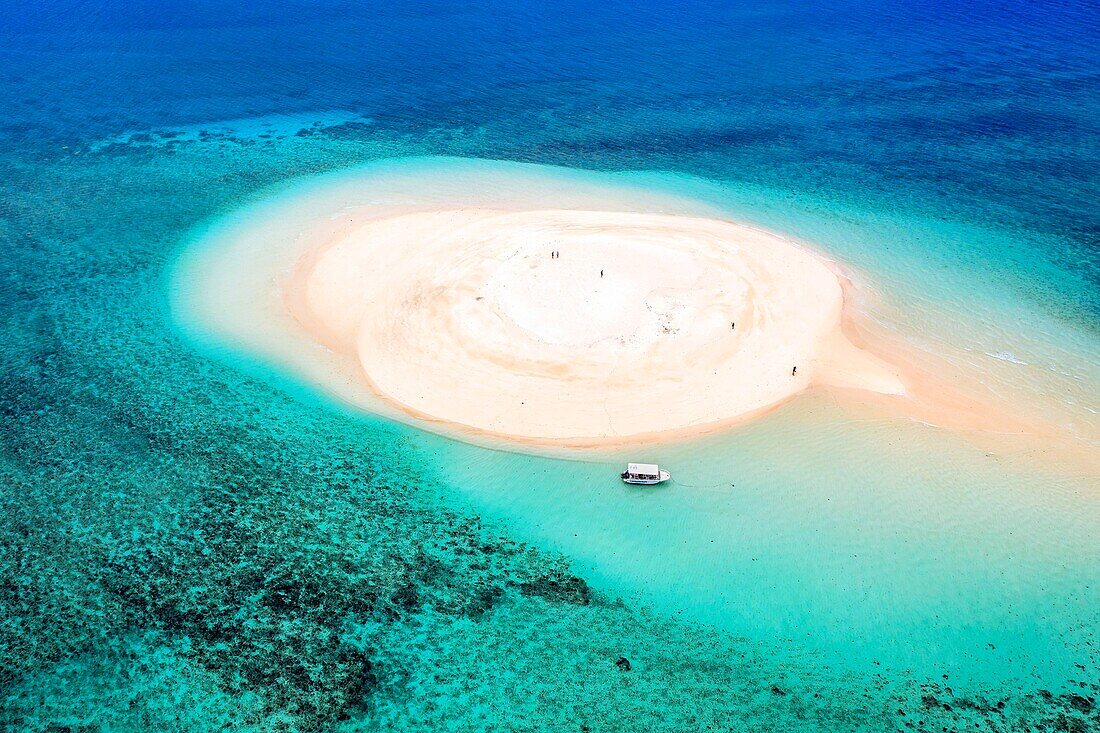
[[870, 541], [844, 543], [193, 542]]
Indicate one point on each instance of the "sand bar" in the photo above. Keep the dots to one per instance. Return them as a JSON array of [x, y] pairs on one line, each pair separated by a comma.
[[578, 326], [422, 290]]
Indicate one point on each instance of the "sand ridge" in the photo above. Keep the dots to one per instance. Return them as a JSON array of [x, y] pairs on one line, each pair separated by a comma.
[[579, 327]]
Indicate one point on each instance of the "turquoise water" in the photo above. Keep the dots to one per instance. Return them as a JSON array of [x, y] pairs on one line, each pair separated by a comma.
[[193, 541]]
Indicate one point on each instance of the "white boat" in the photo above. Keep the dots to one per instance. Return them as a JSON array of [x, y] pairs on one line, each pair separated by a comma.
[[644, 473]]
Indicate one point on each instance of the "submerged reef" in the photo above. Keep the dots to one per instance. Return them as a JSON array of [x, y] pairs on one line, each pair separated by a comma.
[[187, 546]]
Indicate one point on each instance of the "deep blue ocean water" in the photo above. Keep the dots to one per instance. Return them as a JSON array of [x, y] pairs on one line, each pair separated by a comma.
[[188, 545]]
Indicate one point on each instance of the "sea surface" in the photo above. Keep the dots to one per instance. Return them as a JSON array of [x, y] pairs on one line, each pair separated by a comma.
[[193, 539]]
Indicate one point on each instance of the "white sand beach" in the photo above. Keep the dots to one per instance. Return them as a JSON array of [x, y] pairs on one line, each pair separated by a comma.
[[579, 327]]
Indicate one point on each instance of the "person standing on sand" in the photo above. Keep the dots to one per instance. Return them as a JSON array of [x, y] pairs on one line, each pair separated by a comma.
[[601, 273], [793, 370]]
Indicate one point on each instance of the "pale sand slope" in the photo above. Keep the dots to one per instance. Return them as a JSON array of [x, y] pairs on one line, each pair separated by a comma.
[[463, 316]]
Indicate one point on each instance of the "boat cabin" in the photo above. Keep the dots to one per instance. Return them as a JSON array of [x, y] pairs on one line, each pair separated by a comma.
[[644, 473]]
